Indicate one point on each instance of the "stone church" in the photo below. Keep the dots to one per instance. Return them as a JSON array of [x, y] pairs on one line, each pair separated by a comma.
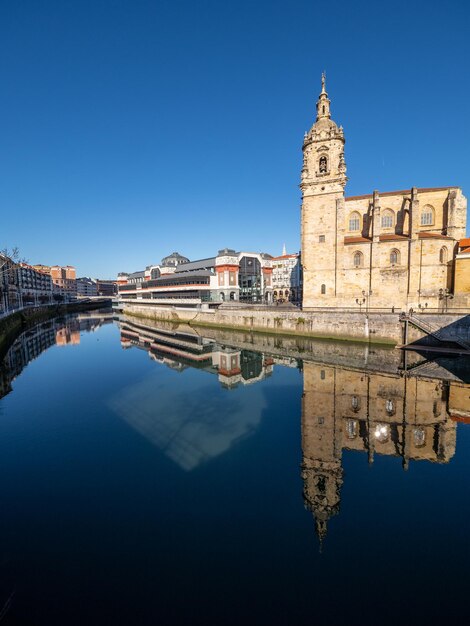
[[380, 250]]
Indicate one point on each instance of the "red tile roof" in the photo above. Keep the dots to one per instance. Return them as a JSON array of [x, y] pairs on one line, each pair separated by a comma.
[[284, 256]]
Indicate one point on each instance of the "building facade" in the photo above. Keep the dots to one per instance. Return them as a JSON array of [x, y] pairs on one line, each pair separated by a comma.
[[10, 297], [393, 249], [229, 276], [287, 278], [64, 280], [86, 287], [35, 286]]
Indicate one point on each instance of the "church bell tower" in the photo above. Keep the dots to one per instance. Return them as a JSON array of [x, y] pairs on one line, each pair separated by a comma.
[[322, 184]]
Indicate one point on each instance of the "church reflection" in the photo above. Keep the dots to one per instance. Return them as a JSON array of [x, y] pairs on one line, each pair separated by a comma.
[[35, 340], [400, 415]]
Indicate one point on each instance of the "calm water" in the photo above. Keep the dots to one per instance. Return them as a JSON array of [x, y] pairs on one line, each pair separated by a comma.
[[152, 476]]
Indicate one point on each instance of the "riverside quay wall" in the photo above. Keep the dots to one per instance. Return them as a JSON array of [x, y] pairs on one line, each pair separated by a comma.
[[373, 327]]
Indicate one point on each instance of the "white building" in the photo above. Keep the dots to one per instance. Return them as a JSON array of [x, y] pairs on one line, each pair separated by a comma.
[[287, 278]]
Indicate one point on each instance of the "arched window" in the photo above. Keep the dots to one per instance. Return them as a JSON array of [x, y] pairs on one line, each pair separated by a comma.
[[351, 428], [419, 436], [427, 216], [390, 407], [323, 289], [355, 403], [358, 259], [323, 165], [388, 218], [354, 221], [443, 255], [394, 257]]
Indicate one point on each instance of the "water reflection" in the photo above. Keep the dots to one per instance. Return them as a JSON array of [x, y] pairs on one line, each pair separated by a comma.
[[191, 425], [34, 341], [378, 401], [375, 413]]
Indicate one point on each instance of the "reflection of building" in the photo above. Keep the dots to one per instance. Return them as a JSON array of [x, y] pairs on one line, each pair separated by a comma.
[[229, 276], [33, 341], [180, 348], [68, 333], [395, 248], [408, 417]]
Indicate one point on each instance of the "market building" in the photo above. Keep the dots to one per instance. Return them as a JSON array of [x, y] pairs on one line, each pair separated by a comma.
[[229, 276]]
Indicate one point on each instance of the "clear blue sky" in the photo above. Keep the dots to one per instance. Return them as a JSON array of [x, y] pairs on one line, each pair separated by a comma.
[[132, 128]]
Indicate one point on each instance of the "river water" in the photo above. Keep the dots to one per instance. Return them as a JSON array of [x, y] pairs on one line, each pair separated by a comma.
[[153, 475]]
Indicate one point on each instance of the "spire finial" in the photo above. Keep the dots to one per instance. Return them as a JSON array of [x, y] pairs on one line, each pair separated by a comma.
[[323, 81], [284, 250]]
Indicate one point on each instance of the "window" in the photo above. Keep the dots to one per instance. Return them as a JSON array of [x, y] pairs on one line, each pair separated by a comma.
[[419, 437], [427, 216], [388, 219], [443, 255], [322, 374], [390, 407], [323, 289], [355, 403], [394, 257], [354, 221], [321, 239], [351, 429], [321, 420], [358, 259], [323, 165]]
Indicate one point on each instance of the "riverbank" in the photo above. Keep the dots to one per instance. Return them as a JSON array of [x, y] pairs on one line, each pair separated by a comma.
[[374, 327], [15, 323]]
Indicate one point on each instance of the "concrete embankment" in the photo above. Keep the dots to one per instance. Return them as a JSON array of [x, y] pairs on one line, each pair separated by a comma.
[[12, 325], [374, 327]]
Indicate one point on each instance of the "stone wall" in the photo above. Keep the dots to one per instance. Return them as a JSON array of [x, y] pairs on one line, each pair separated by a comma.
[[384, 328]]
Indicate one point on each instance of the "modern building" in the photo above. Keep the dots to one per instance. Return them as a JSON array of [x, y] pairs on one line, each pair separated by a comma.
[[86, 287], [287, 278], [229, 276], [394, 248], [106, 288]]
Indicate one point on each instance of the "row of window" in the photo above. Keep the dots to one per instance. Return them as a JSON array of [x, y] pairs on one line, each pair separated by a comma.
[[395, 257], [388, 218]]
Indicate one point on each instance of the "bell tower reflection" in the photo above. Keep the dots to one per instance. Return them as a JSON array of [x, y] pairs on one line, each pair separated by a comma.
[[322, 470], [375, 413]]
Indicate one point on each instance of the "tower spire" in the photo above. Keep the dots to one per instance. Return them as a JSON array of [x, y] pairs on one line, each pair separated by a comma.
[[323, 103]]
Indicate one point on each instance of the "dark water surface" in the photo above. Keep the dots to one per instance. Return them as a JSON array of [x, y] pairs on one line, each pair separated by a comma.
[[150, 476]]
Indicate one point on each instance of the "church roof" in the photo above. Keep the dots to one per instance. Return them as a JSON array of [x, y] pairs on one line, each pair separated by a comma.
[[400, 192]]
